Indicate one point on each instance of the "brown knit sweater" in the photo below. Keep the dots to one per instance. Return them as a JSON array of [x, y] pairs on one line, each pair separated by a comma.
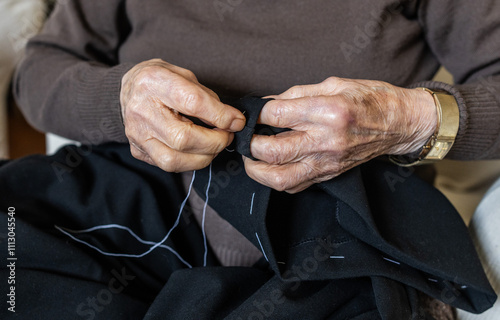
[[69, 82]]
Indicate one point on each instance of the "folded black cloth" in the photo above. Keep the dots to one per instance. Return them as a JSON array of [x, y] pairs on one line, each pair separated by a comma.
[[251, 108], [378, 221], [356, 247]]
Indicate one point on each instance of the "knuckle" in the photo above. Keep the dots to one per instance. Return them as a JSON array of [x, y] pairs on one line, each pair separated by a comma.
[[275, 155], [279, 182], [189, 75], [341, 117], [330, 81], [278, 113], [295, 91], [130, 134], [145, 74], [220, 119], [221, 143], [179, 138], [215, 143], [311, 168], [146, 78], [271, 153], [344, 117], [166, 162], [336, 84], [190, 101], [135, 153], [132, 110]]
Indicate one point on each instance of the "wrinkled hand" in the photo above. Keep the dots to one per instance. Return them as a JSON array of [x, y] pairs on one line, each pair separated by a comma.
[[155, 98], [337, 125]]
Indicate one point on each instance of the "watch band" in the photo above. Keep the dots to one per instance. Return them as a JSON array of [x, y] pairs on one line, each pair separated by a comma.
[[441, 141]]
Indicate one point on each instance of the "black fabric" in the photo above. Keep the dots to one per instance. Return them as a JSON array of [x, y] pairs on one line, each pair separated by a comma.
[[395, 234], [59, 278], [381, 218], [3, 161], [251, 108], [410, 235]]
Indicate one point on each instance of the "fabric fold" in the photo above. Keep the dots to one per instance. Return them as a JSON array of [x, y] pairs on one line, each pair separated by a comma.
[[375, 221]]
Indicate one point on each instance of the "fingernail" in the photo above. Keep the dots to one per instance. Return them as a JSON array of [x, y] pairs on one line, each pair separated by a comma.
[[237, 125], [271, 97]]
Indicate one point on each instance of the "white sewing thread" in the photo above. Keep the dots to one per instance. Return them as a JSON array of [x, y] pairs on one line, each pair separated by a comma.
[[118, 254], [251, 204], [156, 244], [337, 257], [261, 247], [117, 226], [390, 260], [433, 280], [204, 216]]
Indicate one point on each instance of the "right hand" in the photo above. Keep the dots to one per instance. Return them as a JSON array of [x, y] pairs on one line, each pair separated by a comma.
[[154, 98]]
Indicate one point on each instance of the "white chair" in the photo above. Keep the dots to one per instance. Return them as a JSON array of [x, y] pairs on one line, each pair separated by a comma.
[[484, 232], [19, 20]]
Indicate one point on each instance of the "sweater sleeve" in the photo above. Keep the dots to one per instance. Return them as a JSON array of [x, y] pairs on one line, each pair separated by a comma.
[[70, 79], [464, 35]]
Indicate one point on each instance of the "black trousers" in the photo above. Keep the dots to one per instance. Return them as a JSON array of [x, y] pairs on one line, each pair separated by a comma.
[[356, 247]]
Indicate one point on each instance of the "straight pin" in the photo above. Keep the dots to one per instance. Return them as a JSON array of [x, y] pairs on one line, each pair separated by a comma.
[[251, 204], [392, 261]]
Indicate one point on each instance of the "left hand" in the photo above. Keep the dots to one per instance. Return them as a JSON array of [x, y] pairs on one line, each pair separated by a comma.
[[337, 125]]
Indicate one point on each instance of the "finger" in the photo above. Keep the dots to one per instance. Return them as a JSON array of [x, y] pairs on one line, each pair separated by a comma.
[[215, 96], [278, 177], [296, 113], [194, 101], [183, 135], [282, 113], [286, 147], [174, 161], [303, 113]]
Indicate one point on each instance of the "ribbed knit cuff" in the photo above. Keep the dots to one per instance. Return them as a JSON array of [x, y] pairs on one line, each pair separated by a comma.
[[98, 103], [479, 127]]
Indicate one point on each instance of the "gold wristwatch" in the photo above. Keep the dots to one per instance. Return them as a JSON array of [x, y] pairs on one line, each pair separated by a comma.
[[441, 141]]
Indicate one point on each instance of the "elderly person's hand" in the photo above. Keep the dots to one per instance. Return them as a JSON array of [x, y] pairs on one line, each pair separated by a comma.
[[156, 97], [337, 125]]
